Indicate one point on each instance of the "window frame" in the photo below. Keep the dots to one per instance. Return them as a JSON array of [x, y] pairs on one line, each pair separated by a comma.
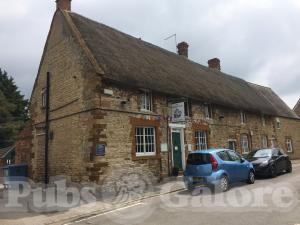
[[277, 123], [208, 111], [198, 138], [289, 141], [242, 143], [145, 143], [235, 144], [264, 138], [243, 117], [263, 120], [44, 98], [146, 105]]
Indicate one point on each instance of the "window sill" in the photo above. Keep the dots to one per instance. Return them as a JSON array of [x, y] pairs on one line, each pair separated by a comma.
[[146, 111]]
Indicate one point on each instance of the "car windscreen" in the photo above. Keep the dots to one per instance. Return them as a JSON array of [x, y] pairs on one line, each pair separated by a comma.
[[262, 153], [198, 159]]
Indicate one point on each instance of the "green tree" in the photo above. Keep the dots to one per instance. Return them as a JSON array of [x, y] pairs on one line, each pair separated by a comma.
[[13, 110]]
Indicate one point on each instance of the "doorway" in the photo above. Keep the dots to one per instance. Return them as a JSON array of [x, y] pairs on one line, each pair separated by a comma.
[[177, 150]]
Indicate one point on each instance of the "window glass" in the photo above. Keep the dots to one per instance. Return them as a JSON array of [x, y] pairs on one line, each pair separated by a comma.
[[224, 156], [146, 100], [264, 141], [289, 145], [145, 141], [44, 98], [201, 140], [208, 111], [243, 117], [233, 156], [244, 143], [262, 153], [198, 159]]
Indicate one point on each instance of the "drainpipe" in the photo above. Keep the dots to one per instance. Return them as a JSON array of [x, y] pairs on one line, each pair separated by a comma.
[[46, 179]]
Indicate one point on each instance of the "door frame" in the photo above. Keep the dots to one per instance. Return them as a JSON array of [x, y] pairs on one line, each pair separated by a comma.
[[178, 128]]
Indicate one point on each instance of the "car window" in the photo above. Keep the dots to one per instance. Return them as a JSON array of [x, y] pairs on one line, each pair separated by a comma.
[[198, 159], [280, 152], [233, 156], [262, 153], [275, 152], [224, 156]]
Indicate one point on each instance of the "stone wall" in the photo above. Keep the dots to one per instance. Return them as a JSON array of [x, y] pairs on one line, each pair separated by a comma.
[[69, 107]]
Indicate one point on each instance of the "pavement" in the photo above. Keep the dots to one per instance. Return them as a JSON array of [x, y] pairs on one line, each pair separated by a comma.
[[268, 201]]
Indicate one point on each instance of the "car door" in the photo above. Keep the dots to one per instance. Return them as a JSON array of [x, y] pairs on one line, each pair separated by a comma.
[[280, 160], [228, 165], [241, 168]]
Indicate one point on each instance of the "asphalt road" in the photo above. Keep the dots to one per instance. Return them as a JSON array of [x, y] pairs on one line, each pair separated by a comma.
[[267, 202]]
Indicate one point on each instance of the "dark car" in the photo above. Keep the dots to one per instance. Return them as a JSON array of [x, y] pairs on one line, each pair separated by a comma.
[[270, 162]]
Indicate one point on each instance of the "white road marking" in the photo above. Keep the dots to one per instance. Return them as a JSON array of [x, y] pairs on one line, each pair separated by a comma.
[[101, 214]]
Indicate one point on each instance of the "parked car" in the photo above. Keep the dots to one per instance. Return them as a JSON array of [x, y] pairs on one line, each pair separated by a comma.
[[270, 162], [217, 168]]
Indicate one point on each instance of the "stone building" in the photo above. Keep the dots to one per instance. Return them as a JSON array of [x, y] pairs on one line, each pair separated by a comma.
[[119, 104], [297, 108]]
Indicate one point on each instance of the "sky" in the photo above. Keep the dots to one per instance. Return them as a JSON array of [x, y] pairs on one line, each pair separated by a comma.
[[257, 40]]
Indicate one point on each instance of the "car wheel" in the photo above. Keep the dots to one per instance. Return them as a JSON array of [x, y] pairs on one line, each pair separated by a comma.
[[251, 177], [273, 171], [289, 167], [223, 184]]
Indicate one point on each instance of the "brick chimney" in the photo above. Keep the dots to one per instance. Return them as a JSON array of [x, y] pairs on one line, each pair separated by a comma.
[[63, 4], [214, 64], [183, 49]]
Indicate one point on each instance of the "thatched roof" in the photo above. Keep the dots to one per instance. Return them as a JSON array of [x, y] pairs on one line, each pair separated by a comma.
[[131, 61]]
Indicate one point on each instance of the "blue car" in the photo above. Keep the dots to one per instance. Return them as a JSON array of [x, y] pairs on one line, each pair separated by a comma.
[[217, 168]]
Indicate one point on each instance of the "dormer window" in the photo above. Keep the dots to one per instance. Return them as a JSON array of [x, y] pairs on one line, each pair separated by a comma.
[[146, 100], [208, 111], [243, 117]]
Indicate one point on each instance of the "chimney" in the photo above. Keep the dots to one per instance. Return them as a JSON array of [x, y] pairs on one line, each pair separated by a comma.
[[63, 4], [183, 49], [214, 64]]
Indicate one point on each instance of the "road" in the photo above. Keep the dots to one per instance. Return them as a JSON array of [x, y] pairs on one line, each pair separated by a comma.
[[267, 202]]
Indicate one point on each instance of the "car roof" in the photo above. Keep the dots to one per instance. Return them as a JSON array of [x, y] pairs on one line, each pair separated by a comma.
[[212, 150]]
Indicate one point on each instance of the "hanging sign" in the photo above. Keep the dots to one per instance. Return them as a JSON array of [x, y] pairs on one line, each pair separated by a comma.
[[178, 112]]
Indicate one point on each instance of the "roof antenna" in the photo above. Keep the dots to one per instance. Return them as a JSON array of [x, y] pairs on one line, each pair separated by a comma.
[[175, 38]]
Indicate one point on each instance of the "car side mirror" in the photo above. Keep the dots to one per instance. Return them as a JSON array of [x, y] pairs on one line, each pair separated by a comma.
[[242, 160]]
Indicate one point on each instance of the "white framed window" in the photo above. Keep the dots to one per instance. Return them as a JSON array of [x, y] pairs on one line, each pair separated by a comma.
[[208, 111], [243, 117], [264, 141], [201, 140], [146, 100], [44, 98], [263, 120], [278, 125], [145, 141], [245, 143], [289, 145]]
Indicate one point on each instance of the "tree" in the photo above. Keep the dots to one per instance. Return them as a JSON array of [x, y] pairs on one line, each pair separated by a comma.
[[13, 110]]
